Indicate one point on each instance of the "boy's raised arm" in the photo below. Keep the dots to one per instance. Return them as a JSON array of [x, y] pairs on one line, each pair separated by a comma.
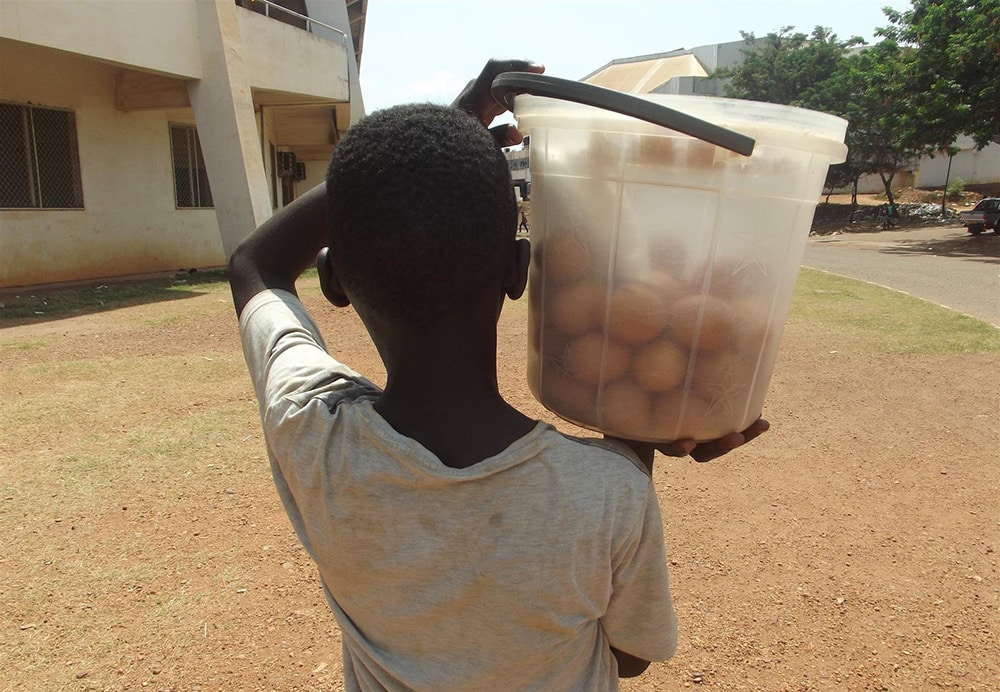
[[277, 252]]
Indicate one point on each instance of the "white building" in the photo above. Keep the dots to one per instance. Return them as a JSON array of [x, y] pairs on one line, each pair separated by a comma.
[[149, 135], [681, 71], [517, 162], [968, 165]]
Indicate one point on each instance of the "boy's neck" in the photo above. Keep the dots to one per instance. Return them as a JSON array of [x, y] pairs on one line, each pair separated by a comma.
[[461, 435], [443, 393]]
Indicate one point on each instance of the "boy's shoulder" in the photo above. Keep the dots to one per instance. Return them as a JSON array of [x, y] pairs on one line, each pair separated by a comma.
[[607, 452]]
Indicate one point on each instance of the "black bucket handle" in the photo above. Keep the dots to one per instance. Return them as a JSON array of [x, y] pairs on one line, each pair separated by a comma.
[[509, 84]]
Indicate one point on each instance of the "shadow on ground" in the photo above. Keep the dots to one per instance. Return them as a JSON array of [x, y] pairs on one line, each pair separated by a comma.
[[982, 248], [912, 236], [31, 305]]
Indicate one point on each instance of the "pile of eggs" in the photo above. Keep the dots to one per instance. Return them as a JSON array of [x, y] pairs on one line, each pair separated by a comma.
[[669, 352]]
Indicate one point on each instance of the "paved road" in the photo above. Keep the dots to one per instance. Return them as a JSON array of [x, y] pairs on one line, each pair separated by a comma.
[[944, 265]]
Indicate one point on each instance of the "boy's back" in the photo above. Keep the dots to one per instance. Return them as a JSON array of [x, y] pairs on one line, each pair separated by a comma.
[[462, 544], [517, 572]]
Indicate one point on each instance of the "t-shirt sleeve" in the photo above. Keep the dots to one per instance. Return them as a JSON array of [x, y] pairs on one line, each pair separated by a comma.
[[640, 616], [286, 355], [299, 387]]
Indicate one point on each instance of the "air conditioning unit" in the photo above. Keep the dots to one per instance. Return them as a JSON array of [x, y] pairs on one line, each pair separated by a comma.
[[300, 170], [286, 164]]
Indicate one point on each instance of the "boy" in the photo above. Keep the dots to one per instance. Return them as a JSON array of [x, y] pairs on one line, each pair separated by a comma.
[[461, 545]]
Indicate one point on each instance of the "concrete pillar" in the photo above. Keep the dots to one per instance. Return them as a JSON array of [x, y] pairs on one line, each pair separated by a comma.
[[334, 13], [227, 128]]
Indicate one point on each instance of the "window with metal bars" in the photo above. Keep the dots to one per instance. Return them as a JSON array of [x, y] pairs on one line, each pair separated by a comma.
[[191, 189], [41, 158]]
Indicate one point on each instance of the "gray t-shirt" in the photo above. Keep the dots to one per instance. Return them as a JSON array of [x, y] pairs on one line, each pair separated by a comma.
[[518, 572]]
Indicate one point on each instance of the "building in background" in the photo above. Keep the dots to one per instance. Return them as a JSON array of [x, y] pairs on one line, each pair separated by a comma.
[[686, 71], [152, 136], [681, 71], [517, 160]]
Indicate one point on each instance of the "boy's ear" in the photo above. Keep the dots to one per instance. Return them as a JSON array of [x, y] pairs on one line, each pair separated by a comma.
[[328, 280], [516, 276]]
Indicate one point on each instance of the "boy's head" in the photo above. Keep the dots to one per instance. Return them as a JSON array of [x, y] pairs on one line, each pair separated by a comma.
[[421, 210]]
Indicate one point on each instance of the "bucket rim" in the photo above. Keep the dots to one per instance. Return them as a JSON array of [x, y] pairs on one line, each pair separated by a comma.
[[770, 124]]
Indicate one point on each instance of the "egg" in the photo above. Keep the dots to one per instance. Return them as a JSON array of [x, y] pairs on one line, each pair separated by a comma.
[[593, 359], [752, 322], [566, 257], [578, 307], [703, 318], [659, 366], [638, 313], [687, 417], [657, 150], [568, 396], [624, 409], [731, 279], [714, 371]]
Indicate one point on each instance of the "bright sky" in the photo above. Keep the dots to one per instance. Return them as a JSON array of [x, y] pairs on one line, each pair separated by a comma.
[[426, 50]]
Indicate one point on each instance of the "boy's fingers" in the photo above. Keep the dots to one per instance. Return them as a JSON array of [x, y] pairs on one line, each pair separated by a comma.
[[476, 100], [756, 428], [716, 448], [707, 451], [506, 135], [677, 448]]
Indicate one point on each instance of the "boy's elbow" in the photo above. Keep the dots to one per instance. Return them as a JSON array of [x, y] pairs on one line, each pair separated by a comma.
[[239, 266], [629, 666], [244, 276]]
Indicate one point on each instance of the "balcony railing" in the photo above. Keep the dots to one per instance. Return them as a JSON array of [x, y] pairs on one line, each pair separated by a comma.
[[308, 22]]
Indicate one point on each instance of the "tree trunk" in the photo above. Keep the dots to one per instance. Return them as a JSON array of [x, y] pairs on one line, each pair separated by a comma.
[[854, 199], [944, 193], [887, 184]]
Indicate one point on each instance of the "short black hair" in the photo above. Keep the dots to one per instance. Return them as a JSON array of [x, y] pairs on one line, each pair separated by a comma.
[[421, 211]]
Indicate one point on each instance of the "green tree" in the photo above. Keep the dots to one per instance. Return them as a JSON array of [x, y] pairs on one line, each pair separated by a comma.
[[934, 74], [797, 69], [955, 81], [872, 90], [787, 67]]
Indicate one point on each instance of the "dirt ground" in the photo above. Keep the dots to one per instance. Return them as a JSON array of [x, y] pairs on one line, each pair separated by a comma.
[[853, 547]]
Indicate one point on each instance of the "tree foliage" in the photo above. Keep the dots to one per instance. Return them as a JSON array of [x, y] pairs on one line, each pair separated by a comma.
[[935, 74], [955, 81], [871, 91], [786, 67]]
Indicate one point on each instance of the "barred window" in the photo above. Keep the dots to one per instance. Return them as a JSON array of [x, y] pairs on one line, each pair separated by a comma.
[[41, 158], [191, 189]]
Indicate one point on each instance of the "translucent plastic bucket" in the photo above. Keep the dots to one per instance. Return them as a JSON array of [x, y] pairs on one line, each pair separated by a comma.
[[663, 266]]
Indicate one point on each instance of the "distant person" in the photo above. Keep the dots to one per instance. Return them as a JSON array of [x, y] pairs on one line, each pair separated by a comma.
[[461, 544], [888, 214], [523, 226]]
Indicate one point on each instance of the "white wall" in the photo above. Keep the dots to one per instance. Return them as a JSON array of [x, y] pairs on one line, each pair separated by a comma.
[[129, 223], [276, 55], [266, 130], [334, 13], [315, 175], [969, 165], [158, 35]]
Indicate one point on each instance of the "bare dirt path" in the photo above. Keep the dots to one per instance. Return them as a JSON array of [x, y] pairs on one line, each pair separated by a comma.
[[853, 547]]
